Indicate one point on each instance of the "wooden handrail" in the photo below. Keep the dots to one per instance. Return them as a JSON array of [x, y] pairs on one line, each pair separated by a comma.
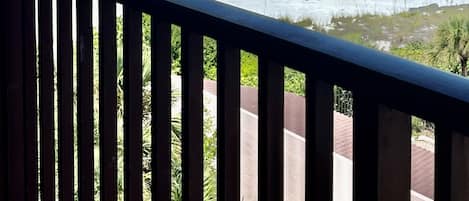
[[405, 85], [387, 91]]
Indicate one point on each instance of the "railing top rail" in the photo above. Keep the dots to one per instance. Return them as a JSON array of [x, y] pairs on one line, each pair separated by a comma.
[[407, 86]]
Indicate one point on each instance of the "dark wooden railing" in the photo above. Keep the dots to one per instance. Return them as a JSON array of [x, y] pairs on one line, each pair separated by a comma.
[[387, 90]]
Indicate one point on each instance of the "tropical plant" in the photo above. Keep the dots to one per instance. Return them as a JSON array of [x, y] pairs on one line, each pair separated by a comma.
[[452, 42], [209, 142]]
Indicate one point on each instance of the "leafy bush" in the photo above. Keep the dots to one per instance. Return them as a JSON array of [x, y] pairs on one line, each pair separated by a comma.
[[176, 137]]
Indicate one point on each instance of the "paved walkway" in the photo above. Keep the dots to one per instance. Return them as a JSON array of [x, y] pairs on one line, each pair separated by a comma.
[[422, 160]]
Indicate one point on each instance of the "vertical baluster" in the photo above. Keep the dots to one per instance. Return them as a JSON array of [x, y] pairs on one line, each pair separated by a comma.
[[451, 165], [228, 123], [443, 163], [319, 139], [13, 100], [271, 136], [3, 136], [132, 104], [459, 167], [46, 101], [30, 100], [161, 109], [65, 99], [108, 100], [3, 119], [381, 152], [192, 115], [85, 101]]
